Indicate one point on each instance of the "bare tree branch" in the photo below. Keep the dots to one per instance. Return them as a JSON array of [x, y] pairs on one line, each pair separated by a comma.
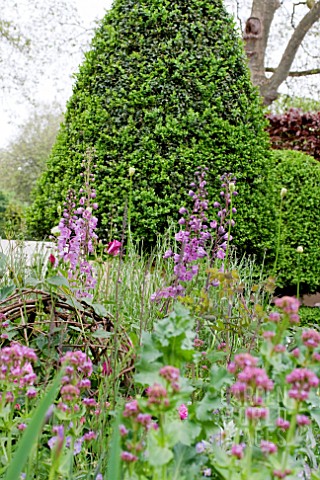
[[294, 43], [302, 73]]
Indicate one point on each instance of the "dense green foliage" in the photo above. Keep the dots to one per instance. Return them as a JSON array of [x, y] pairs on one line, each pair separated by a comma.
[[300, 175], [309, 316], [164, 89]]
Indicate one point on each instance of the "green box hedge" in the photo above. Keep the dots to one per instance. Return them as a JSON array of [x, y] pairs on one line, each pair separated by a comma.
[[165, 88]]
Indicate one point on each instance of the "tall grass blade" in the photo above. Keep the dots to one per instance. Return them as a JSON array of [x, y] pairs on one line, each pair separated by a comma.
[[31, 434], [114, 461]]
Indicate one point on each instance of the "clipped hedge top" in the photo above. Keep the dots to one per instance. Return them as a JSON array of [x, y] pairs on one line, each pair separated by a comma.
[[164, 89]]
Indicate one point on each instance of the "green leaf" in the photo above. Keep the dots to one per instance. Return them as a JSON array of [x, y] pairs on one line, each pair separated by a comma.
[[5, 292], [158, 456], [219, 378], [32, 282], [58, 281], [99, 310], [101, 334], [114, 461], [315, 414], [77, 329]]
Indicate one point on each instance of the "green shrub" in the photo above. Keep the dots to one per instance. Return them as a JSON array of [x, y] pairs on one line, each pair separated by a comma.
[[309, 316], [164, 89], [300, 175]]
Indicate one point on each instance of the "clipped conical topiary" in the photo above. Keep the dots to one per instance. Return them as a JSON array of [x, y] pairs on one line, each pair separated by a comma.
[[164, 89]]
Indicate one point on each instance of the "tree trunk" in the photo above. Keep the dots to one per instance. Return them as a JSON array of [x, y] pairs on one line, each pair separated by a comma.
[[256, 36]]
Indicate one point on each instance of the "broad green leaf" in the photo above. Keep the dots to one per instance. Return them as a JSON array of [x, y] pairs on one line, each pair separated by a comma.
[[158, 456], [58, 281], [5, 292]]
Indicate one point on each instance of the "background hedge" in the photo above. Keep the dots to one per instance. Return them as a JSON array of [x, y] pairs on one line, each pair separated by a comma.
[[300, 175], [165, 88]]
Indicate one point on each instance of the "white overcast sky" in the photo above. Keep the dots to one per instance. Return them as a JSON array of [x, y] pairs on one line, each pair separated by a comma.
[[14, 111], [90, 9], [56, 83]]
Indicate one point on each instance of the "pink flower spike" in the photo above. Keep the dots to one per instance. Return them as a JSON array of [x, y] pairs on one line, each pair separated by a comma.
[[114, 248]]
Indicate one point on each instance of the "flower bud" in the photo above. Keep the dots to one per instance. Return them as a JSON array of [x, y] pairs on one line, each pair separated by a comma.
[[283, 192], [132, 171], [300, 249], [232, 187]]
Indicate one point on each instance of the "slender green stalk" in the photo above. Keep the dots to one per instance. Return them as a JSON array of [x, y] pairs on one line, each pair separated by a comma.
[[282, 195]]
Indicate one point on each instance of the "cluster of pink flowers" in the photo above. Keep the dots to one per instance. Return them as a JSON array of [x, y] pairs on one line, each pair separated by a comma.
[[289, 306], [4, 324], [311, 338], [171, 375], [133, 414], [158, 395], [251, 380], [78, 369], [16, 371], [282, 423], [256, 413], [237, 450], [268, 447], [196, 235], [302, 380], [282, 474]]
